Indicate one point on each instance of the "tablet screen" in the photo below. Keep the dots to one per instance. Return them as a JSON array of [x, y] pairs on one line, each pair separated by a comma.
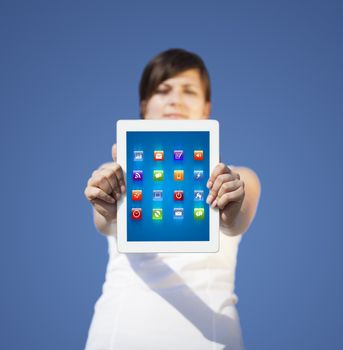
[[167, 172]]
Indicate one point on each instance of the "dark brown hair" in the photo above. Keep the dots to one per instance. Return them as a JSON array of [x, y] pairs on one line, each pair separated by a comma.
[[166, 65]]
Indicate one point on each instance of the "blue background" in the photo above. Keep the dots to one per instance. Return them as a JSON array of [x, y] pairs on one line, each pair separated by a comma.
[[70, 69], [168, 229]]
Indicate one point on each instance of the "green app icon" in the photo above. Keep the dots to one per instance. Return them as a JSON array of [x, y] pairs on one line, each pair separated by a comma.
[[157, 214], [199, 213], [158, 175]]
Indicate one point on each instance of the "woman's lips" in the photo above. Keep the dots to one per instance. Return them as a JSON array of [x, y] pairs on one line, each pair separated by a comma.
[[174, 116]]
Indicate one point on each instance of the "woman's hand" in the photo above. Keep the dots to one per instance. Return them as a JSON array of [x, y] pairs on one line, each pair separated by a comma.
[[226, 192], [105, 187]]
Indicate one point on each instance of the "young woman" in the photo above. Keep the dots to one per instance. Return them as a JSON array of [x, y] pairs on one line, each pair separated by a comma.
[[172, 300]]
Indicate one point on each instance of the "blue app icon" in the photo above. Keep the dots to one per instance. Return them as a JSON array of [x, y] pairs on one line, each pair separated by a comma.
[[198, 195], [157, 195], [198, 175], [178, 213], [137, 155]]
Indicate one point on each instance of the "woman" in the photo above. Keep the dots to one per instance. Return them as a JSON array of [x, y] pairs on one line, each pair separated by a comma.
[[170, 300]]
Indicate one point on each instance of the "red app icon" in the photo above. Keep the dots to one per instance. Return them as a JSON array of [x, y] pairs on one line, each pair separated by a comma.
[[178, 195], [136, 213], [136, 195], [198, 155], [158, 155]]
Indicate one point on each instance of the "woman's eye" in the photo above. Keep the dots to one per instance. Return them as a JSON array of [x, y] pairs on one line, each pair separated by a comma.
[[190, 92], [161, 91]]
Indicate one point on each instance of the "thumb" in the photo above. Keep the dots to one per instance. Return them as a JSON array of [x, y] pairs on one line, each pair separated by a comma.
[[114, 152]]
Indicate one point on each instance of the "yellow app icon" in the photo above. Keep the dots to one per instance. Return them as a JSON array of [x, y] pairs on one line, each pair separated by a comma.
[[178, 175]]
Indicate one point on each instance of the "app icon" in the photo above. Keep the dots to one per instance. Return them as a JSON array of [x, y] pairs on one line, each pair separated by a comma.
[[178, 155], [158, 175], [178, 175], [157, 195], [198, 195], [157, 214], [178, 195], [198, 174], [199, 213], [136, 213], [158, 155], [198, 155], [137, 155], [137, 175], [178, 213], [136, 195]]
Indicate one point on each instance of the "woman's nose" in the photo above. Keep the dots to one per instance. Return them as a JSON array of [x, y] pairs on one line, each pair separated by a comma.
[[175, 98]]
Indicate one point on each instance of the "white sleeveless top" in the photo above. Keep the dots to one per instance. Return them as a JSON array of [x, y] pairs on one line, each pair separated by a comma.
[[168, 301]]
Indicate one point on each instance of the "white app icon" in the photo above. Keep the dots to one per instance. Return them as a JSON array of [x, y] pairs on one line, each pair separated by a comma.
[[178, 213]]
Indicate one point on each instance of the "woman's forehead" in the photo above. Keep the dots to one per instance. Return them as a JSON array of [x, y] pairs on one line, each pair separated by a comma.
[[188, 77]]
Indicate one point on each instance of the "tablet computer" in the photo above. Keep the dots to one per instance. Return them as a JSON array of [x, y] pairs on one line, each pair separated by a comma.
[[167, 164]]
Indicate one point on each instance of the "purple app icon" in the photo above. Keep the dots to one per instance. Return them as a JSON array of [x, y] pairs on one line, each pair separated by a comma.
[[178, 154], [137, 175]]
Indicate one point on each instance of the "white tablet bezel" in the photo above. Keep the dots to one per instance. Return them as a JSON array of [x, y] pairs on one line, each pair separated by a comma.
[[124, 246]]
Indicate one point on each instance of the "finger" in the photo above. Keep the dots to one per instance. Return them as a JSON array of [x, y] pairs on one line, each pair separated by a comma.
[[100, 180], [108, 165], [234, 196], [114, 152], [96, 193], [120, 177], [116, 187], [216, 186], [235, 174], [220, 168], [111, 177], [117, 172], [230, 186]]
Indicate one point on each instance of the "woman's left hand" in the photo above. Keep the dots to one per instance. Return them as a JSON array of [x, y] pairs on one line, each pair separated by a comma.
[[226, 192]]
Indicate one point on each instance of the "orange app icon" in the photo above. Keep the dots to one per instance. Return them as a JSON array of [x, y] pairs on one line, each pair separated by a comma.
[[198, 155], [136, 195], [158, 155], [178, 175]]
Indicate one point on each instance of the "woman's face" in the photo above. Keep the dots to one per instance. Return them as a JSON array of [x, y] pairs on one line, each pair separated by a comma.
[[180, 97]]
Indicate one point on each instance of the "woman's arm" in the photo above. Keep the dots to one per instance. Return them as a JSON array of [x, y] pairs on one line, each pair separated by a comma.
[[235, 191], [103, 225], [104, 189]]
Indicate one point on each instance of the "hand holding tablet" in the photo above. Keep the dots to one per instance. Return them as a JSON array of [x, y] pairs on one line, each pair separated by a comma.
[[167, 165]]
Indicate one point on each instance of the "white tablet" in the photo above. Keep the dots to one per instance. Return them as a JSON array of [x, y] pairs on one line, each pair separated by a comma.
[[166, 165]]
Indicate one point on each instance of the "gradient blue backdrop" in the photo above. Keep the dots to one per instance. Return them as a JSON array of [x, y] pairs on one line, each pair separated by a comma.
[[70, 69]]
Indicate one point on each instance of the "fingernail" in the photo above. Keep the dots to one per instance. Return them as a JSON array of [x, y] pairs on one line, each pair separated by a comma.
[[214, 204], [117, 195], [122, 188], [209, 184], [209, 199]]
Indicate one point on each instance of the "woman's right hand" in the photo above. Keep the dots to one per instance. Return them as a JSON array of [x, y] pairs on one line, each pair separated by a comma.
[[105, 187]]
